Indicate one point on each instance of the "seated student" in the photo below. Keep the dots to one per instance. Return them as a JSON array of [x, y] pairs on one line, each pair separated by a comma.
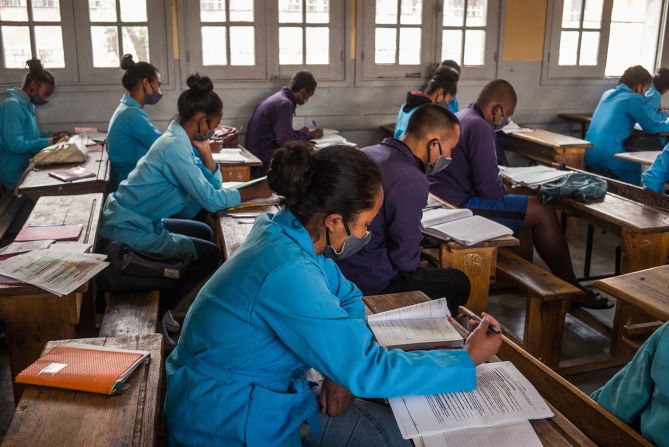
[[440, 89], [472, 181], [284, 307], [453, 105], [271, 125], [658, 174], [613, 121], [639, 393], [20, 136], [659, 86], [390, 262], [166, 182], [131, 132]]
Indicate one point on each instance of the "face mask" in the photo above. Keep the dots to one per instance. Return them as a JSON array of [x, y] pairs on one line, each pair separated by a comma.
[[351, 246], [503, 122], [37, 99], [152, 98], [205, 137], [441, 163]]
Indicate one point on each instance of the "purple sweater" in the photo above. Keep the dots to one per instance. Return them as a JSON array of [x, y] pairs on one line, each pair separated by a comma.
[[473, 171], [396, 236], [271, 126]]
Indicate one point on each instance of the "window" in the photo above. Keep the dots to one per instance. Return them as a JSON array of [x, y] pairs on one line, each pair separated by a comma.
[[227, 33], [397, 32], [463, 37]]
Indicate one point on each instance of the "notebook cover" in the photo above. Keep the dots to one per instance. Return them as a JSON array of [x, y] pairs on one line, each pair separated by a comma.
[[80, 369], [68, 175], [55, 232]]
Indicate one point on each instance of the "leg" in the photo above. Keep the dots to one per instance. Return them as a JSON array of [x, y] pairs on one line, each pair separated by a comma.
[[190, 228]]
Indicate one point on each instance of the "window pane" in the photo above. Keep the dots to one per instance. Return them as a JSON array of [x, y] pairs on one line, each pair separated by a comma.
[[104, 40], [46, 11], [290, 46], [318, 11], [133, 10], [409, 46], [571, 13], [592, 16], [212, 11], [477, 12], [411, 12], [568, 47], [290, 11], [136, 42], [318, 45], [16, 43], [451, 45], [242, 45], [384, 45], [13, 10], [629, 10], [214, 45], [241, 11], [474, 47], [386, 11], [102, 10], [589, 48], [49, 45], [454, 12], [625, 48]]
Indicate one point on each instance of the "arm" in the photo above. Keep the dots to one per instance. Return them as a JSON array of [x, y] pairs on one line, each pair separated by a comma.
[[482, 159], [282, 125], [658, 174], [657, 123], [403, 208], [143, 129], [215, 178], [348, 293], [13, 133]]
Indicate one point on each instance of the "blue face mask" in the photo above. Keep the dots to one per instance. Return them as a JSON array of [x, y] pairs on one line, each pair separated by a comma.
[[153, 97], [204, 137], [503, 122], [37, 99], [351, 246], [441, 163]]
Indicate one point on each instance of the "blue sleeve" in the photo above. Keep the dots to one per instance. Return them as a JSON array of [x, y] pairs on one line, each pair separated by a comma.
[[658, 174], [282, 125], [400, 123], [348, 293], [657, 123], [44, 134], [13, 133], [453, 105], [296, 303], [215, 178], [482, 159]]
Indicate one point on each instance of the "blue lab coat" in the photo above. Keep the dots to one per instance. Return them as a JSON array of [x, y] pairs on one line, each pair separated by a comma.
[[453, 105], [613, 121], [653, 100], [167, 182], [271, 311], [639, 393], [129, 137], [20, 137], [658, 174]]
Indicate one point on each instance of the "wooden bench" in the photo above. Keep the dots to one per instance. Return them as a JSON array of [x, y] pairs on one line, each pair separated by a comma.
[[131, 314]]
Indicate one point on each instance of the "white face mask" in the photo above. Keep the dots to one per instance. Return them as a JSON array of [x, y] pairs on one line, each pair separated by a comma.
[[439, 165]]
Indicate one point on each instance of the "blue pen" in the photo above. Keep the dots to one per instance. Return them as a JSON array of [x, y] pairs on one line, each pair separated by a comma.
[[314, 123]]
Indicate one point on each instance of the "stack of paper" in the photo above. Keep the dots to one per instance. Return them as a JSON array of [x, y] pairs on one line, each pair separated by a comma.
[[331, 139], [532, 176], [229, 155], [515, 128]]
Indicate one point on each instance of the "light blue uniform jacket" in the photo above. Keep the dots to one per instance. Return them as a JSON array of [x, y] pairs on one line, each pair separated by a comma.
[[270, 312], [402, 120], [613, 121], [653, 102], [658, 174], [639, 393], [168, 181], [130, 135], [453, 105], [20, 137]]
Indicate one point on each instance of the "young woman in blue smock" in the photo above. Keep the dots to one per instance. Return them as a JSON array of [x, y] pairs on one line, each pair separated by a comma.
[[613, 122], [653, 96], [453, 105], [280, 305], [20, 135], [131, 133]]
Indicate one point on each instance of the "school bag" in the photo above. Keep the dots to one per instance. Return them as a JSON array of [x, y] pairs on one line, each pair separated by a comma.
[[227, 136], [73, 150], [580, 186]]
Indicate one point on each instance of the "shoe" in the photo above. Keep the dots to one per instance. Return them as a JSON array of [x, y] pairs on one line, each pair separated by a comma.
[[169, 323], [170, 343]]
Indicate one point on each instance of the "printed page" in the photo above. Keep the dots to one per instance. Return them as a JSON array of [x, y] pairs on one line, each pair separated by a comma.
[[472, 230], [74, 248], [502, 396], [513, 435], [429, 309], [22, 247], [405, 332], [441, 215]]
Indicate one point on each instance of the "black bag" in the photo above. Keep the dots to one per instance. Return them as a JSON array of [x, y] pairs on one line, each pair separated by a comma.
[[642, 141], [580, 186]]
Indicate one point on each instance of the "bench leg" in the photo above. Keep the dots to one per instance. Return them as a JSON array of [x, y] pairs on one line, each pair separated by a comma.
[[588, 251], [544, 328], [478, 264]]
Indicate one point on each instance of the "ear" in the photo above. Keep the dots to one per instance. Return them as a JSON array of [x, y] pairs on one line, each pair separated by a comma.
[[332, 221], [146, 84]]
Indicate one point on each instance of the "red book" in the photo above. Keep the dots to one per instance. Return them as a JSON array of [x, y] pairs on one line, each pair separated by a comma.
[[55, 232]]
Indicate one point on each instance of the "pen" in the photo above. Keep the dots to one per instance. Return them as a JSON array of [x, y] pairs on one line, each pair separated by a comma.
[[314, 123], [492, 330]]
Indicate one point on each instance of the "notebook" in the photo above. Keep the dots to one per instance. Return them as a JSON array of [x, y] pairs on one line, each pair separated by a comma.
[[233, 155], [55, 232], [532, 176], [71, 174], [83, 367], [460, 225]]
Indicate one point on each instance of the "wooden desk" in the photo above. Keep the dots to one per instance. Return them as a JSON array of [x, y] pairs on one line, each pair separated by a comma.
[[39, 183], [643, 158], [33, 316], [548, 147], [388, 128], [51, 416], [239, 171], [582, 119], [231, 231]]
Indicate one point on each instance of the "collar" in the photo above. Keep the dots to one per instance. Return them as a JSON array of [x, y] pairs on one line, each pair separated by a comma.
[[130, 101], [475, 107], [624, 87], [288, 93], [178, 131], [405, 150], [20, 96], [294, 230]]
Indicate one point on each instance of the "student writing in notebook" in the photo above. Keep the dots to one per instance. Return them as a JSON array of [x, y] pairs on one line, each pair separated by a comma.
[[280, 305], [390, 262], [20, 135], [472, 181], [453, 105]]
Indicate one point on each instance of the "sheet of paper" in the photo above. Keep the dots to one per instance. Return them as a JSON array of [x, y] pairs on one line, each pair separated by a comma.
[[229, 156], [22, 247], [469, 231], [74, 247], [441, 215], [405, 332], [515, 128], [429, 309], [502, 396], [520, 434], [532, 175]]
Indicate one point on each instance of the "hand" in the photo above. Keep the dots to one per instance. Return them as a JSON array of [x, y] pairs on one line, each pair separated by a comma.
[[58, 136], [334, 399], [255, 191], [304, 130], [203, 147], [482, 343], [318, 133], [215, 147]]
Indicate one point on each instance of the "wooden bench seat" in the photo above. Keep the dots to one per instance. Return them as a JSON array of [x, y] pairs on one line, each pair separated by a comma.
[[131, 314]]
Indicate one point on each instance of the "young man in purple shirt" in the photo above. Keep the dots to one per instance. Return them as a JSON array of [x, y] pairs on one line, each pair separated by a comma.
[[472, 181], [271, 125], [390, 262]]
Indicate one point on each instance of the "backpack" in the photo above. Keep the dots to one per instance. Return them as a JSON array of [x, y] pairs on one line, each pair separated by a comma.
[[583, 187]]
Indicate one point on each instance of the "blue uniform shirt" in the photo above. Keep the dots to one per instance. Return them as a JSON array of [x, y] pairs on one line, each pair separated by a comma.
[[129, 137], [20, 137], [613, 121], [658, 174], [167, 182], [272, 310], [653, 101]]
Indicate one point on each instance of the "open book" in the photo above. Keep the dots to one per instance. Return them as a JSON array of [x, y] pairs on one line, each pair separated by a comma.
[[229, 155], [421, 326], [460, 224], [532, 176]]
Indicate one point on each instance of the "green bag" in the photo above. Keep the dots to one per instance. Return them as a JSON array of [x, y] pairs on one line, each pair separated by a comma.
[[580, 186]]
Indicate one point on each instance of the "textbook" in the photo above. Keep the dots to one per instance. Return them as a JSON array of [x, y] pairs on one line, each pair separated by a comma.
[[531, 176], [54, 232], [83, 367], [71, 174], [460, 225], [421, 326]]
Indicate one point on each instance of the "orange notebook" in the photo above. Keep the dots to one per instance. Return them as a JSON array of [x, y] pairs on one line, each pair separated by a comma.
[[83, 367]]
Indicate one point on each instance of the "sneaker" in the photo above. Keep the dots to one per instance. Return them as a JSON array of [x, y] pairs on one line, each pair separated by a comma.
[[169, 323]]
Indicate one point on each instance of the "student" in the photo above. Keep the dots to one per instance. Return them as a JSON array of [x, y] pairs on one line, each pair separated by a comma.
[[453, 105], [440, 89], [131, 132], [271, 125], [20, 136], [639, 393], [472, 181], [284, 306], [391, 261], [613, 122], [658, 174], [166, 182], [659, 86]]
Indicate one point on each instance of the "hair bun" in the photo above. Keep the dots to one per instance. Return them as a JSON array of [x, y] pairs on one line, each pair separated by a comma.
[[200, 84], [290, 171], [127, 62], [34, 66], [444, 72]]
